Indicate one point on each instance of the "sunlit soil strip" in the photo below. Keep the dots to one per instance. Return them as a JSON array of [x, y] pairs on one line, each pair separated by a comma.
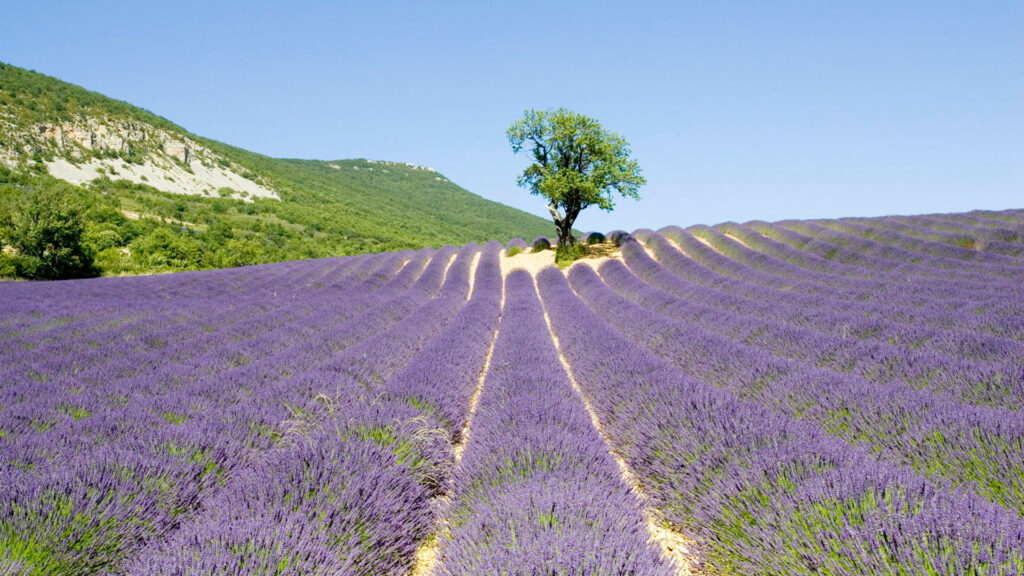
[[674, 545], [402, 265], [472, 272], [679, 247], [426, 554], [699, 239], [737, 240], [447, 267]]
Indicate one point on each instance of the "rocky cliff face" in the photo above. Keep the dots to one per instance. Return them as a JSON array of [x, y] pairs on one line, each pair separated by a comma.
[[87, 148], [119, 137]]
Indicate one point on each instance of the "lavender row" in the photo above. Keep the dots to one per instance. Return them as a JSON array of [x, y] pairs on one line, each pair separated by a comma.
[[36, 304], [857, 251], [997, 382], [861, 237], [960, 304], [767, 270], [146, 296], [63, 391], [185, 449], [764, 493], [205, 353], [882, 233], [209, 307], [977, 448], [805, 288], [974, 313], [25, 410], [877, 260], [203, 418], [537, 491], [956, 333], [920, 280], [960, 233], [131, 302], [696, 283], [1004, 226], [881, 297], [350, 494], [890, 230], [442, 378], [212, 313]]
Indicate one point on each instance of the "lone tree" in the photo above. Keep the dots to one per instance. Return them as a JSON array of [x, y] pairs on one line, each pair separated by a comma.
[[576, 164]]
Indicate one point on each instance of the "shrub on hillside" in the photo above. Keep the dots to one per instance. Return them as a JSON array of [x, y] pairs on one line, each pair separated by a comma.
[[163, 249], [102, 239], [243, 253], [540, 243], [617, 237], [115, 261], [44, 228], [515, 246], [566, 255], [592, 238]]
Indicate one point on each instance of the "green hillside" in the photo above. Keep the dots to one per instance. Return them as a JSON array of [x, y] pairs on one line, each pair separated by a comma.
[[270, 209]]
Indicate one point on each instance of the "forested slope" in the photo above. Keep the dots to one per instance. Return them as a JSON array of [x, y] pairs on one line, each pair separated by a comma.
[[158, 198]]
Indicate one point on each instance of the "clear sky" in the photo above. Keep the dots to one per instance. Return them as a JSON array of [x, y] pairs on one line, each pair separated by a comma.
[[735, 110]]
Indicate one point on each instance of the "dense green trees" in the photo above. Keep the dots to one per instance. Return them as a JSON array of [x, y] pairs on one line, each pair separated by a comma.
[[44, 230], [576, 164], [134, 229]]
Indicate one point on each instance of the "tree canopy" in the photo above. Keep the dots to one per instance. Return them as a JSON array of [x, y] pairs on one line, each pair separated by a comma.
[[45, 230], [576, 164]]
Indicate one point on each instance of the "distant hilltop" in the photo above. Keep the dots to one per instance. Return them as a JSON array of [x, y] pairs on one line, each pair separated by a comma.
[[391, 164], [406, 164]]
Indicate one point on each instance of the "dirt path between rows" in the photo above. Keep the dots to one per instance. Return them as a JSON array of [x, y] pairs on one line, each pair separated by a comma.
[[534, 262]]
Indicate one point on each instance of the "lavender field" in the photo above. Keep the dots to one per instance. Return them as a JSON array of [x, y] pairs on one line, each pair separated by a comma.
[[836, 397]]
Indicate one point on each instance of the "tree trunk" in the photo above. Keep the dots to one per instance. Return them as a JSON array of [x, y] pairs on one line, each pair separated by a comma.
[[564, 224], [565, 237]]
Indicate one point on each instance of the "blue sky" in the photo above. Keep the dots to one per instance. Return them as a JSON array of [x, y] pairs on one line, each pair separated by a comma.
[[735, 110]]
